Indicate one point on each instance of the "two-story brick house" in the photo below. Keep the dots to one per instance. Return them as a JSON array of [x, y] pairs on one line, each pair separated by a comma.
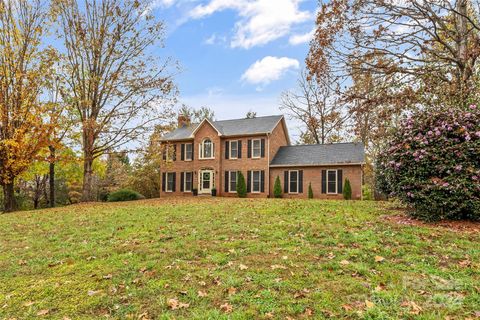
[[209, 154]]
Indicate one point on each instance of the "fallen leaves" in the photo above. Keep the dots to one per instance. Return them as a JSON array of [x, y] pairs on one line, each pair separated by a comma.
[[415, 309], [175, 304], [202, 294], [242, 267], [231, 291], [369, 304], [226, 307], [379, 259], [344, 262], [43, 312]]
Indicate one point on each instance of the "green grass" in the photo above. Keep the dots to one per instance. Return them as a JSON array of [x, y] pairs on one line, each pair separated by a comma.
[[261, 258]]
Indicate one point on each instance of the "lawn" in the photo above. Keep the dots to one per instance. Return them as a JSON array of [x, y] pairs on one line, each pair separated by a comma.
[[234, 259]]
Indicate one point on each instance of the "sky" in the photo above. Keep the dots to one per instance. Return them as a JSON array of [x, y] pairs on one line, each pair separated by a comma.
[[236, 55]]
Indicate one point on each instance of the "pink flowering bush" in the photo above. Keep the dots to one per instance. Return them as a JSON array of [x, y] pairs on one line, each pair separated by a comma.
[[433, 164]]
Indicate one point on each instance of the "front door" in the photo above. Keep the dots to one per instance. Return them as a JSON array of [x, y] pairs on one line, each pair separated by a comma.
[[206, 181]]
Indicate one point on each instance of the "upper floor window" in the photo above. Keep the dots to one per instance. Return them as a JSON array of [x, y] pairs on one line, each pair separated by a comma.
[[188, 151], [256, 148], [206, 149], [233, 149]]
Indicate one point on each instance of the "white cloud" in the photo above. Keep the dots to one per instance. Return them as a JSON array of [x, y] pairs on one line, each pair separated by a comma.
[[269, 69], [297, 39], [211, 40], [261, 22], [162, 3]]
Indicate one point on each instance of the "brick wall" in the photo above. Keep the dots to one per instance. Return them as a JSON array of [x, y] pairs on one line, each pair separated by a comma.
[[314, 175]]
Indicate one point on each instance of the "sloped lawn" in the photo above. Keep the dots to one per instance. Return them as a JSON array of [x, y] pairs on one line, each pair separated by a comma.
[[231, 258]]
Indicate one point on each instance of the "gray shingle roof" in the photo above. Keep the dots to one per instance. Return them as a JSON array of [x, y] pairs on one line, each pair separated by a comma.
[[230, 127], [319, 154]]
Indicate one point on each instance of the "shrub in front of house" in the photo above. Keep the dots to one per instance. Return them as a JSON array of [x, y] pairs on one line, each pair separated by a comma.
[[347, 190], [241, 186], [277, 188], [367, 193], [432, 164], [124, 195], [310, 191]]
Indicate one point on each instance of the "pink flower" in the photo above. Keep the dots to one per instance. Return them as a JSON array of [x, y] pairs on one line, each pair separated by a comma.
[[473, 107]]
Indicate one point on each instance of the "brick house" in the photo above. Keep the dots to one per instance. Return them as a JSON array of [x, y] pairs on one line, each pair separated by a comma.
[[209, 154]]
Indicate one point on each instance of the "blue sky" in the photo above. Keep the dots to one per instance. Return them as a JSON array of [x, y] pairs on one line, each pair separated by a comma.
[[237, 55]]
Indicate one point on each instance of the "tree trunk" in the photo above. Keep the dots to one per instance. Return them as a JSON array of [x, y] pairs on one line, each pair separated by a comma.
[[52, 177], [87, 190], [9, 198]]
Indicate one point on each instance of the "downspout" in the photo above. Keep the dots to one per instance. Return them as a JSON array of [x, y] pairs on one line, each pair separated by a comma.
[[268, 165]]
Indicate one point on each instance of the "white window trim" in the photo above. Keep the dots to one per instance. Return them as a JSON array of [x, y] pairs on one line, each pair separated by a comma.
[[200, 149], [259, 150], [230, 149], [230, 180], [336, 181], [185, 159], [259, 181], [185, 182], [290, 180], [166, 181]]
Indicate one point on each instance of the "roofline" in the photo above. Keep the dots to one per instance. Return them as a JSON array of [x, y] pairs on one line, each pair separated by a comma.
[[285, 128], [200, 124], [317, 165]]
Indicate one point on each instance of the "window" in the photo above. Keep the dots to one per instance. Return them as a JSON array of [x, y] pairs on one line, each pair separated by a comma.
[[206, 149], [233, 149], [233, 181], [256, 148], [169, 154], [188, 182], [255, 181], [170, 181], [332, 181], [293, 181], [188, 151]]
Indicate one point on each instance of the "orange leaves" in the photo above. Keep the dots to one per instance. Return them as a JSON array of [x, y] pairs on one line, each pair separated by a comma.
[[175, 304]]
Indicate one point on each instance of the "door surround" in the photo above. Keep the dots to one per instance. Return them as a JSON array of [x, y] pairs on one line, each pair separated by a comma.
[[202, 186]]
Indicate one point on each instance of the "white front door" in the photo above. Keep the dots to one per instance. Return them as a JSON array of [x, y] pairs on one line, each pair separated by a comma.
[[205, 181]]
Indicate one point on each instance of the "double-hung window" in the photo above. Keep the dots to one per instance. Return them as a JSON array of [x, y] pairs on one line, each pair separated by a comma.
[[232, 181], [188, 182], [170, 181], [233, 149], [332, 181], [256, 181], [256, 148], [188, 151], [206, 149], [293, 181]]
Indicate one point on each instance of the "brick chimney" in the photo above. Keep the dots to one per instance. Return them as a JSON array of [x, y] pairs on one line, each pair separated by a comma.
[[183, 121]]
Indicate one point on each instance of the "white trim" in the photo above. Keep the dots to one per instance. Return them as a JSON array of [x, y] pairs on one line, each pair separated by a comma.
[[185, 152], [230, 180], [200, 181], [336, 181], [290, 180], [230, 149], [317, 165], [200, 124], [185, 181], [166, 181], [259, 181], [260, 148]]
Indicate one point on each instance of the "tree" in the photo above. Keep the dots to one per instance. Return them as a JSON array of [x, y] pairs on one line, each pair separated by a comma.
[[25, 65], [277, 188], [196, 115], [118, 88], [347, 190], [421, 52], [251, 114], [315, 106], [310, 191], [241, 186]]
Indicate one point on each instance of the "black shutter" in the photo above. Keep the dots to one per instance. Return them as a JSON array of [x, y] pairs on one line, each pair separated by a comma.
[[174, 181], [227, 177], [239, 149], [249, 181], [262, 181], [285, 181], [262, 146], [249, 151], [182, 151], [163, 181], [174, 153], [227, 149], [324, 181], [300, 181], [340, 181], [193, 151], [182, 179]]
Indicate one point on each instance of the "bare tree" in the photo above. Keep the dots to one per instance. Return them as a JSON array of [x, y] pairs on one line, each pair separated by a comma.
[[314, 104], [118, 86]]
